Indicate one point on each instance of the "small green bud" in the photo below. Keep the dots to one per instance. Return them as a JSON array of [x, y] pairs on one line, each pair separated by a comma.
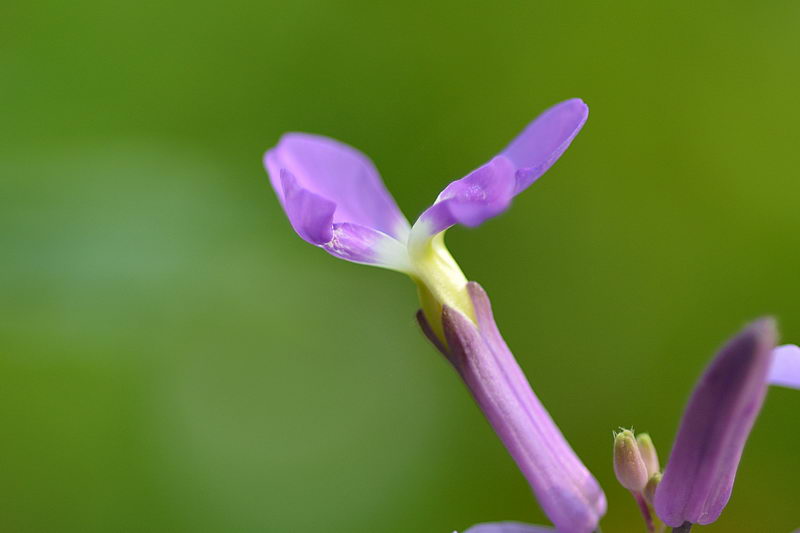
[[649, 491], [629, 466], [649, 454]]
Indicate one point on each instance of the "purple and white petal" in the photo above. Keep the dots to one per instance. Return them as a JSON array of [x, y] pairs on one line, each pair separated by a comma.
[[340, 174], [484, 193], [539, 145], [785, 370], [334, 198], [508, 527], [360, 244], [312, 217]]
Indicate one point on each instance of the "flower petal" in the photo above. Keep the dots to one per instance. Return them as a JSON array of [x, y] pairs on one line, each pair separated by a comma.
[[484, 193], [539, 145], [310, 214], [785, 370], [312, 217], [508, 527], [487, 191], [699, 476], [360, 244], [339, 174]]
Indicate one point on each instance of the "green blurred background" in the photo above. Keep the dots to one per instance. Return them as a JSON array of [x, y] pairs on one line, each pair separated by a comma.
[[175, 359]]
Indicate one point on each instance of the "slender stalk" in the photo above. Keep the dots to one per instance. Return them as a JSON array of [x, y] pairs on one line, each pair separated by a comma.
[[645, 509], [685, 528]]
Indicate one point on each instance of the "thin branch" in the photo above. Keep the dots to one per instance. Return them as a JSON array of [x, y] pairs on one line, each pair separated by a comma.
[[645, 509]]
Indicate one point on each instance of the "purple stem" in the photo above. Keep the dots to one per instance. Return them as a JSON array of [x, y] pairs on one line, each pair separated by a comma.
[[645, 509]]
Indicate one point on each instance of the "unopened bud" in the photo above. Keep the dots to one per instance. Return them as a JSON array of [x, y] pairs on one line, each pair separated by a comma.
[[649, 454], [650, 489], [628, 463]]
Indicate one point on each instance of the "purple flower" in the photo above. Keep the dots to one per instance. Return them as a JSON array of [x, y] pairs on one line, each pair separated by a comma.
[[508, 527], [335, 199], [699, 477], [565, 489]]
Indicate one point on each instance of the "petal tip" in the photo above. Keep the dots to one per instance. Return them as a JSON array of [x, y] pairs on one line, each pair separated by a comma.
[[766, 326], [545, 139], [764, 332], [577, 104]]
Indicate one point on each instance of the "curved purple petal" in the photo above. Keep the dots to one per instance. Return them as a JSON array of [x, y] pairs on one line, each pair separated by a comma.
[[508, 527], [312, 217], [339, 174], [539, 145], [310, 214], [785, 370], [334, 198], [484, 193], [487, 191], [699, 476], [360, 244]]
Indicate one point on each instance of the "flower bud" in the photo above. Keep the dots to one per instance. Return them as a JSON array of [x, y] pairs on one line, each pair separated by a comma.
[[648, 452], [699, 476], [649, 491], [629, 466]]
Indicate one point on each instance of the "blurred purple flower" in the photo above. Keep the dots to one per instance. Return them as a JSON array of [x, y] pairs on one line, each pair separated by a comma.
[[699, 476], [508, 527], [568, 493]]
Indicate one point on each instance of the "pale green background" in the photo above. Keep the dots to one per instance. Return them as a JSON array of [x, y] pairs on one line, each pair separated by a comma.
[[175, 359]]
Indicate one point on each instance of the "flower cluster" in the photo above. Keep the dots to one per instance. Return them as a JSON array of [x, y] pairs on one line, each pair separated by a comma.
[[335, 199]]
